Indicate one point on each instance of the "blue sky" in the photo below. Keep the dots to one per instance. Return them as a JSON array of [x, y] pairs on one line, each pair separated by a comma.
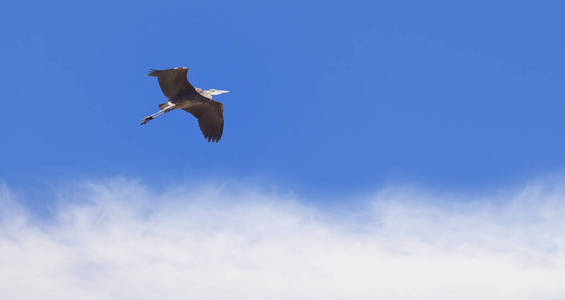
[[326, 96], [371, 149]]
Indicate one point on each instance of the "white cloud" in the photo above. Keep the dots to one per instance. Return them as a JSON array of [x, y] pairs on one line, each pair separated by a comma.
[[121, 240]]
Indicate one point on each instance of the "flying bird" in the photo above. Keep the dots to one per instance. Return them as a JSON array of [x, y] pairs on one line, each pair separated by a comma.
[[198, 102]]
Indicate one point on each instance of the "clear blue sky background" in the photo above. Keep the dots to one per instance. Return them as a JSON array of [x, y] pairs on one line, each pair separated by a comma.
[[327, 97]]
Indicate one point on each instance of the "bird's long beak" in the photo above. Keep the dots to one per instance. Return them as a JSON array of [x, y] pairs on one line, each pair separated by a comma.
[[219, 92]]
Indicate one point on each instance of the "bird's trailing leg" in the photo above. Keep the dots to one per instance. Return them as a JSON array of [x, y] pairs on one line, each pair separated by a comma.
[[159, 113]]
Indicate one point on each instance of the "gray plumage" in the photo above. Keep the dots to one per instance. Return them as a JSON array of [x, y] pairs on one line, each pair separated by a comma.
[[198, 102]]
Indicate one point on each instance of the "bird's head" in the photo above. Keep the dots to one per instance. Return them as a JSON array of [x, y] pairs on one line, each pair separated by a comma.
[[214, 92]]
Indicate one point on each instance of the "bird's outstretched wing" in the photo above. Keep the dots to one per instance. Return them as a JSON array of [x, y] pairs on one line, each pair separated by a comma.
[[173, 82], [210, 117]]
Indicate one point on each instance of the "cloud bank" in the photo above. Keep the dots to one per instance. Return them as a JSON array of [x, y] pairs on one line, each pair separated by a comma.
[[119, 239]]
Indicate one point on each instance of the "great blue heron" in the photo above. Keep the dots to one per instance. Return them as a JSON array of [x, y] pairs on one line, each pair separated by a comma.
[[198, 102]]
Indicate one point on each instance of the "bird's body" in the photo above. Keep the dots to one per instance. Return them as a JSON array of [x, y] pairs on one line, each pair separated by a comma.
[[198, 102]]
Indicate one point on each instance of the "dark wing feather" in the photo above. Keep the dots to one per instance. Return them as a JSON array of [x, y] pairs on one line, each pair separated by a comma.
[[210, 117], [173, 82]]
